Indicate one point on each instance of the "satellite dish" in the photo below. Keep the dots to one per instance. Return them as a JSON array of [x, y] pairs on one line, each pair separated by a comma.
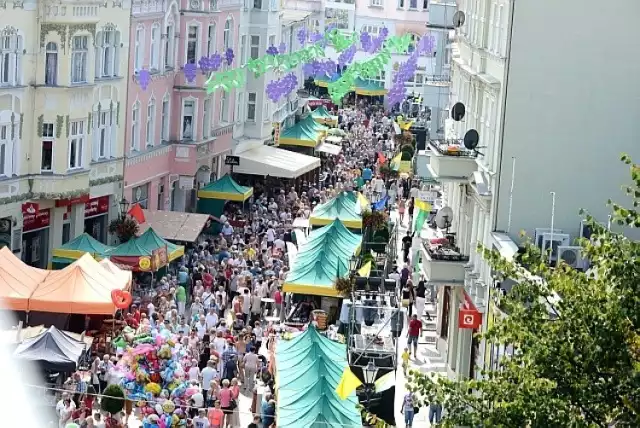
[[457, 111], [458, 19], [471, 139], [444, 217]]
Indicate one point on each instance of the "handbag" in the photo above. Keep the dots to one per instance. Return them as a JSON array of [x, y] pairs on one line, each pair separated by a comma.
[[233, 404]]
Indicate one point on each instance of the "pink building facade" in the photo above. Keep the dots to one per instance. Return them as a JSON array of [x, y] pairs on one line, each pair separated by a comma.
[[177, 135]]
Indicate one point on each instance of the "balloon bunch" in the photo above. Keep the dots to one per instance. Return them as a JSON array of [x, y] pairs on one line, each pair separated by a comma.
[[228, 55], [378, 42], [190, 71], [405, 72], [277, 89], [272, 50], [347, 55]]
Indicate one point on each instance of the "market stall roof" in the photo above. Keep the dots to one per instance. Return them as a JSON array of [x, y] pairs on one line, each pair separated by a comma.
[[369, 87], [18, 334], [324, 80], [152, 241], [84, 243], [310, 122], [334, 139], [17, 281], [308, 370], [121, 274], [322, 115], [176, 226], [322, 259], [343, 207], [226, 189], [268, 160], [332, 149], [53, 350], [83, 287], [300, 135]]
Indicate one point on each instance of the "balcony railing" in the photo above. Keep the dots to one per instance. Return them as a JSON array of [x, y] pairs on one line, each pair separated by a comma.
[[445, 254], [453, 148]]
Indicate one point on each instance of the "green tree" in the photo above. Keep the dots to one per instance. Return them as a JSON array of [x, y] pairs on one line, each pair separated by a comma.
[[576, 360], [113, 399]]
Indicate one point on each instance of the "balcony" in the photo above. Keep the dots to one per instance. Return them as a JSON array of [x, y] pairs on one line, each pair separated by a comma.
[[48, 186], [442, 260], [451, 161], [305, 5], [140, 7]]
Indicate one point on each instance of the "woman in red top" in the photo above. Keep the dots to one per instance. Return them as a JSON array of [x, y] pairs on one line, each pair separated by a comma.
[[235, 395]]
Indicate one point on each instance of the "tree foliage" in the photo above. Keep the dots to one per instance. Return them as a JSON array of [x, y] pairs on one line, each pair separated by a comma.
[[112, 401], [124, 228], [576, 360]]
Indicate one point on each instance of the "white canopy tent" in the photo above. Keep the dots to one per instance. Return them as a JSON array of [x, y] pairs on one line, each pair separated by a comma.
[[268, 160], [332, 149]]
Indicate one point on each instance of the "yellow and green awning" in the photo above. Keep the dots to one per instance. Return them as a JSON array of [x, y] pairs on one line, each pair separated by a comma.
[[346, 207], [302, 134], [322, 115], [76, 248], [369, 87], [226, 189]]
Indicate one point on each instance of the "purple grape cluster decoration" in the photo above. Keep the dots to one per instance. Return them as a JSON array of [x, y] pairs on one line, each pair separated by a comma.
[[282, 49], [277, 89], [377, 42], [365, 41], [272, 50], [205, 64], [347, 55], [190, 71], [215, 61], [228, 55], [315, 37], [144, 78], [302, 35], [426, 44], [405, 71]]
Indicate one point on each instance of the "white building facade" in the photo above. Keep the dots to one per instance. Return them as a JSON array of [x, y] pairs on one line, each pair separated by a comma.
[[553, 118]]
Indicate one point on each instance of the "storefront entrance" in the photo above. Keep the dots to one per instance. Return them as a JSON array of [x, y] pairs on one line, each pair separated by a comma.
[[96, 212], [35, 236]]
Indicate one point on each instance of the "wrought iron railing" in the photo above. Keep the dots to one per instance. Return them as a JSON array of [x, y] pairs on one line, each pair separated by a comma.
[[453, 148]]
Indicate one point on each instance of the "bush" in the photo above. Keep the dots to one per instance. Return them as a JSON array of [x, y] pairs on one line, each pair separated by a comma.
[[113, 399], [124, 229]]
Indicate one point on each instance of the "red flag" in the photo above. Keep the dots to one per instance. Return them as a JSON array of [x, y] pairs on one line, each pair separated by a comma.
[[137, 213], [381, 158]]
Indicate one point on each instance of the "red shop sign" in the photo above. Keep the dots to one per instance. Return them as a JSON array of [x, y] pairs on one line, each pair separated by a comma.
[[96, 206], [469, 316], [30, 208], [83, 199], [38, 220]]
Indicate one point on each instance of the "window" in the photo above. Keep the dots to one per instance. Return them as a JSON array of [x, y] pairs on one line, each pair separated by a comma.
[[213, 6], [151, 122], [188, 119], [373, 30], [169, 47], [425, 4], [255, 47], [139, 49], [413, 4], [414, 41], [257, 4], [51, 65], [227, 35], [272, 41], [79, 52], [192, 44], [10, 58], [338, 17], [140, 195], [165, 120], [224, 112], [251, 106], [107, 52], [239, 103], [103, 134], [502, 34], [243, 50], [154, 60], [47, 156], [5, 134], [401, 4], [47, 130], [211, 40], [206, 118], [76, 144], [135, 127], [376, 3]]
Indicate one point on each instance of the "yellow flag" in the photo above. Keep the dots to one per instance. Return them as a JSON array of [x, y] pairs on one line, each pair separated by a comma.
[[365, 270], [348, 384], [422, 205], [395, 162]]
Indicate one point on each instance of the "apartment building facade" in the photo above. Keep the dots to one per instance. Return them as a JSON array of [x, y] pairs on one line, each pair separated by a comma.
[[62, 95], [533, 97]]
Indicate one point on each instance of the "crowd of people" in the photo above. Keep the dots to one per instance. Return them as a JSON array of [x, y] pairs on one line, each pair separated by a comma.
[[225, 302]]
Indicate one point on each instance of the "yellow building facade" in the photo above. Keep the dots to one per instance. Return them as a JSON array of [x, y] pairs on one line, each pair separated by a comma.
[[63, 86]]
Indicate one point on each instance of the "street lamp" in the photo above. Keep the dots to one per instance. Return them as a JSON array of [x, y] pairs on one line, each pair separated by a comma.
[[353, 264], [124, 207], [369, 373]]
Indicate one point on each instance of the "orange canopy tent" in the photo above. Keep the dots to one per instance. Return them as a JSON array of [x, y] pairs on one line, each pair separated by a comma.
[[83, 287], [17, 281], [122, 274]]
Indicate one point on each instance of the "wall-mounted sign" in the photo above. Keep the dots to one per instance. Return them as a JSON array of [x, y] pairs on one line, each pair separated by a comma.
[[96, 206], [68, 202], [276, 133], [30, 208], [469, 318], [232, 160], [35, 221]]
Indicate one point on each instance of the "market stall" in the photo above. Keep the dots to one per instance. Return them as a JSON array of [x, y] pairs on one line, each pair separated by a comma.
[[308, 371], [344, 207], [301, 135], [17, 281], [83, 287], [213, 196], [53, 350], [154, 242], [176, 226], [76, 248], [322, 115]]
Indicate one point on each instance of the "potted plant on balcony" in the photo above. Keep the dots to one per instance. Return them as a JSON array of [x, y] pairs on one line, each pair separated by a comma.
[[343, 286], [124, 228], [374, 220]]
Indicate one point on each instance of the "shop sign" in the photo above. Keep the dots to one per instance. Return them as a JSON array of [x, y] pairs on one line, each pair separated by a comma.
[[36, 220], [428, 196], [159, 258], [276, 133], [96, 206], [469, 318], [232, 160], [83, 199], [30, 208]]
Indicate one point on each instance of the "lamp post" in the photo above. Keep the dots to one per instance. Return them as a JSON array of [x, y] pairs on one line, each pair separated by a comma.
[[124, 207], [369, 373]]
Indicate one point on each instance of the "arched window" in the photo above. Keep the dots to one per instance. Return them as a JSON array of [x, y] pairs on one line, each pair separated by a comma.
[[154, 54], [135, 126], [151, 123], [211, 39], [108, 52], [228, 33], [11, 46], [51, 65]]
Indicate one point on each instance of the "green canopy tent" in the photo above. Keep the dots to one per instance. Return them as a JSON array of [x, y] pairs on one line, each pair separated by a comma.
[[322, 259], [310, 122], [301, 135], [152, 241], [369, 87], [322, 115], [140, 254], [74, 249], [213, 196], [344, 207], [308, 370]]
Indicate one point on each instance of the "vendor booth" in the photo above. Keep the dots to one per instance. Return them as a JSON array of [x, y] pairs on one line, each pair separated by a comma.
[[52, 350], [308, 371], [76, 248], [275, 162], [322, 115], [176, 226], [152, 241], [345, 207], [146, 253], [302, 134], [17, 281], [213, 196]]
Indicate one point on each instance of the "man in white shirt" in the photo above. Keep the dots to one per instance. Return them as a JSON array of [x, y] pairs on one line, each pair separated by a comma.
[[201, 327], [246, 305], [414, 191], [208, 374], [251, 361], [211, 319], [201, 420], [271, 235]]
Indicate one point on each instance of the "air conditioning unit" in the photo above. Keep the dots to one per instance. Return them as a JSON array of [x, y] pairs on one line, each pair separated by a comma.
[[572, 255], [552, 241], [539, 231]]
